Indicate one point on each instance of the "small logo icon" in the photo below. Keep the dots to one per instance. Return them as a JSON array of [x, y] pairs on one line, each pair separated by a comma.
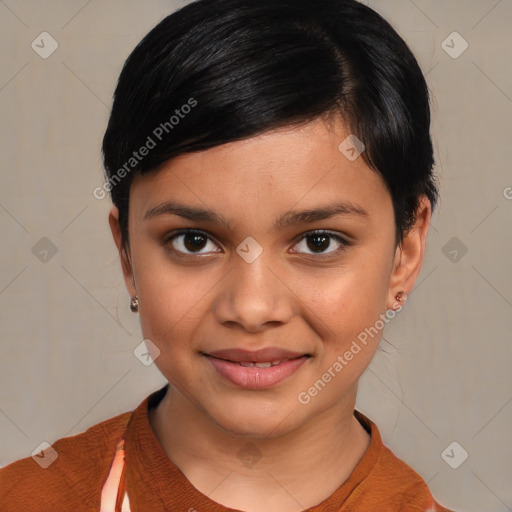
[[454, 45], [44, 250], [249, 455], [249, 249], [44, 455], [146, 352], [454, 455], [352, 147], [507, 193], [454, 250], [44, 45]]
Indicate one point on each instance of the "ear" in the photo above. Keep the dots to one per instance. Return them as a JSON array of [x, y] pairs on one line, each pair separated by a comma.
[[410, 254], [113, 220]]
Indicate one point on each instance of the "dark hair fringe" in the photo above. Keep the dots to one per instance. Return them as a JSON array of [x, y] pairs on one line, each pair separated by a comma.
[[257, 66]]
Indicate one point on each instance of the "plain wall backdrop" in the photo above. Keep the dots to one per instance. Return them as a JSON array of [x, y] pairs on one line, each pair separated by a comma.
[[68, 336]]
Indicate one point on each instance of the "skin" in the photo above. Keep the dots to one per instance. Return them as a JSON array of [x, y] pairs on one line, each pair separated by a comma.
[[288, 297]]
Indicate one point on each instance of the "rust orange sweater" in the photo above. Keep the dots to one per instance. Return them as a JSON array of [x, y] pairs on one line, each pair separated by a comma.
[[73, 482]]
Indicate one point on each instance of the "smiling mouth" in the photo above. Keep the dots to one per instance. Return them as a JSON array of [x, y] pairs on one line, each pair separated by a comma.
[[264, 372]]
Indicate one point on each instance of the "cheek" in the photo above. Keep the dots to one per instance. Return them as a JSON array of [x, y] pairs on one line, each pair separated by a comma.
[[169, 298], [168, 307], [353, 296], [349, 310], [167, 310]]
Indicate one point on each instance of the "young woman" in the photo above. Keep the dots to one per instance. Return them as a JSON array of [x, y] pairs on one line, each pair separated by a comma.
[[270, 165]]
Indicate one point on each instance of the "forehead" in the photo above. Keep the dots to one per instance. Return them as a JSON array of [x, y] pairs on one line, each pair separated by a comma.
[[301, 165]]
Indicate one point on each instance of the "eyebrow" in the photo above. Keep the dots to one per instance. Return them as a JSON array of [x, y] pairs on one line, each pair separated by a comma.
[[290, 218]]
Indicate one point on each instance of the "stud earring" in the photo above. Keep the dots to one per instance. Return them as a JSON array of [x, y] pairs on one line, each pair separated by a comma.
[[134, 304], [401, 296]]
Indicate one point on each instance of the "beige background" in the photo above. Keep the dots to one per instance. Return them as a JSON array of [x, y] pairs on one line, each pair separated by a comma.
[[67, 333]]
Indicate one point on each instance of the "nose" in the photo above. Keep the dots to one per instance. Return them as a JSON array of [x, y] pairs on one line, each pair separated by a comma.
[[253, 297]]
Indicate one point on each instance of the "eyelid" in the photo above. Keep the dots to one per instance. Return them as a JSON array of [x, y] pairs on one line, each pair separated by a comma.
[[342, 240], [187, 231]]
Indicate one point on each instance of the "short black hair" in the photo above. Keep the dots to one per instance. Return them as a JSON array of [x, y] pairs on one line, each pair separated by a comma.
[[218, 71]]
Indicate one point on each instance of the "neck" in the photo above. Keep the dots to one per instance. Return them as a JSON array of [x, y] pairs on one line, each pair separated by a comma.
[[288, 473]]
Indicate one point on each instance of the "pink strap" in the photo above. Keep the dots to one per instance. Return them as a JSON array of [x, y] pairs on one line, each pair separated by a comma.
[[111, 488]]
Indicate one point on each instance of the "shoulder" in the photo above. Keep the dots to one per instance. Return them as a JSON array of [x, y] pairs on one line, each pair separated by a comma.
[[392, 481], [76, 475], [411, 491]]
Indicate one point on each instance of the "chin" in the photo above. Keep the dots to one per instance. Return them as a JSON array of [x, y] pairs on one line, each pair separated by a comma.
[[248, 422], [252, 429]]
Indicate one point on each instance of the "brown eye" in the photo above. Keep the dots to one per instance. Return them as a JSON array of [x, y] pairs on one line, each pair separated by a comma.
[[189, 242], [318, 242]]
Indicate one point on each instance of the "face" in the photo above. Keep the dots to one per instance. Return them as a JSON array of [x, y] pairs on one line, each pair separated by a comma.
[[251, 300]]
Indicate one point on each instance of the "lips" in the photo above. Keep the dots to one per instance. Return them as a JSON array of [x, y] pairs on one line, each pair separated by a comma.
[[258, 369]]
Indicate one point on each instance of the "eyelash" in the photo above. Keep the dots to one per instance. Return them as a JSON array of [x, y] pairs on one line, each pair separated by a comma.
[[344, 243]]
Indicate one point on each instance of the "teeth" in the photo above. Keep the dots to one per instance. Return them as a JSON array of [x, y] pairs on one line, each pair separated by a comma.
[[263, 365], [266, 364]]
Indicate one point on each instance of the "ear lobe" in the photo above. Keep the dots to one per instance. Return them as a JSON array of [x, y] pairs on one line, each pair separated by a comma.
[[409, 255], [113, 220]]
